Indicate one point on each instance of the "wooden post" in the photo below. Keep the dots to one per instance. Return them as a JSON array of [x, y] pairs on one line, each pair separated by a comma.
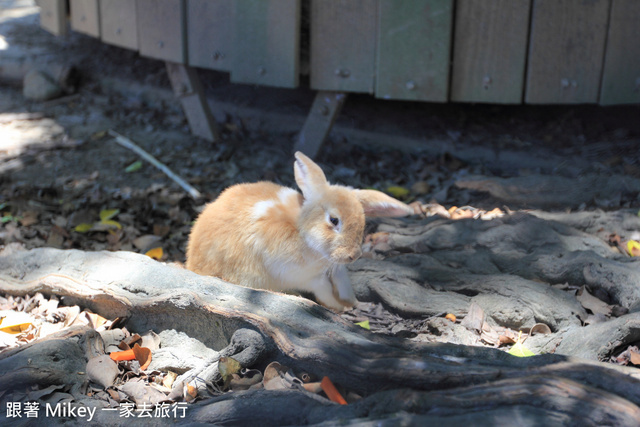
[[187, 87], [324, 111]]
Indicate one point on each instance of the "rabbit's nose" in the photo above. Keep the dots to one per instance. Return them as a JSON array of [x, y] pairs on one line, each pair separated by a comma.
[[355, 255]]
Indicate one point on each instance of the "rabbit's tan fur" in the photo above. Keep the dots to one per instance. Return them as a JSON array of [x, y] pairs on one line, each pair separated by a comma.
[[266, 236]]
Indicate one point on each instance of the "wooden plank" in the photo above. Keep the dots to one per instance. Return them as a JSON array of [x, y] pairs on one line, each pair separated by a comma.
[[118, 23], [489, 52], [162, 29], [343, 39], [85, 17], [621, 75], [566, 51], [187, 87], [326, 107], [267, 39], [210, 33], [53, 16], [414, 44]]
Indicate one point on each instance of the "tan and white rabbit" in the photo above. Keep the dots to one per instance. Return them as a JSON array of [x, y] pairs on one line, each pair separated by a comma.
[[266, 236]]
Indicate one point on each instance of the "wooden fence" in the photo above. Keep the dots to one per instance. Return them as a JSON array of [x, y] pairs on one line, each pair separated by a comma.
[[490, 51]]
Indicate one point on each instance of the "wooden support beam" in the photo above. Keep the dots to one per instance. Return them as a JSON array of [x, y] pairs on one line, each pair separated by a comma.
[[324, 111], [187, 87]]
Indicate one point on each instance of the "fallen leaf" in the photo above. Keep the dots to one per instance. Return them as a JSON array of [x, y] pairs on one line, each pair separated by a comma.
[[451, 317], [102, 370], [95, 320], [634, 357], [155, 253], [83, 228], [122, 355], [143, 356], [107, 214], [14, 322], [29, 218], [227, 367], [519, 350], [134, 167], [146, 242], [397, 191], [474, 318], [540, 328], [633, 247], [592, 303], [107, 224], [364, 324], [168, 379], [331, 391]]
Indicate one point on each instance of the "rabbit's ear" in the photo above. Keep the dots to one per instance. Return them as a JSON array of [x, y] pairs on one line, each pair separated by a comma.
[[309, 176], [376, 203]]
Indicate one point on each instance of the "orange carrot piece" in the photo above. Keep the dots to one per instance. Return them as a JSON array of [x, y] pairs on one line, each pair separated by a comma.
[[122, 355], [331, 391]]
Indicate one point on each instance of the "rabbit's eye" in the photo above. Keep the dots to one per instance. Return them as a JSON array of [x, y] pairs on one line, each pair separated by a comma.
[[335, 221]]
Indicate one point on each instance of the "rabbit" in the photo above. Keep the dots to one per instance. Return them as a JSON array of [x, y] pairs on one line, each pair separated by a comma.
[[266, 236]]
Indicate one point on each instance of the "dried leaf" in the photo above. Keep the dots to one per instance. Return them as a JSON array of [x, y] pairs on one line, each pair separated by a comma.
[[29, 218], [106, 225], [143, 356], [102, 370], [634, 357], [450, 317], [146, 242], [592, 303], [474, 318], [169, 379], [95, 320], [331, 391], [540, 328], [364, 324], [155, 253], [633, 247], [122, 355], [227, 367]]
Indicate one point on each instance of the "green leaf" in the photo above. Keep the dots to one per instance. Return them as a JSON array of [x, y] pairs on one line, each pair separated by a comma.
[[397, 192], [134, 167], [83, 228], [107, 214], [365, 325], [519, 350]]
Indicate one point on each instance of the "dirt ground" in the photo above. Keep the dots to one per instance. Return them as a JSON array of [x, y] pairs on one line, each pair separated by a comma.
[[60, 170]]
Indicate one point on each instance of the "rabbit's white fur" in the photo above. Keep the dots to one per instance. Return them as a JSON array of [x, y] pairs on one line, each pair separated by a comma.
[[266, 236]]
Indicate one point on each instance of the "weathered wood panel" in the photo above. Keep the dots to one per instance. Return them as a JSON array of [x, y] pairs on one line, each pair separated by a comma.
[[414, 44], [621, 74], [85, 17], [566, 51], [53, 16], [162, 29], [490, 48], [343, 45], [210, 33], [118, 23], [266, 42]]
